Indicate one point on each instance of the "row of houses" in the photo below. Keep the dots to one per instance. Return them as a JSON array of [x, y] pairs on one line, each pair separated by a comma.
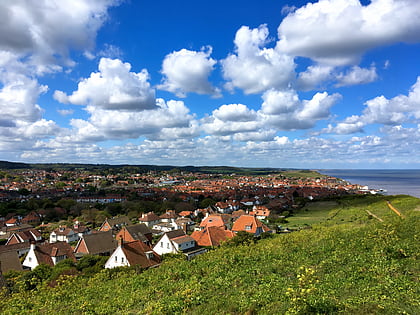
[[126, 244]]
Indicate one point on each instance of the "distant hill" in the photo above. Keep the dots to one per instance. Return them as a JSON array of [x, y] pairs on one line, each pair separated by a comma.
[[91, 167]]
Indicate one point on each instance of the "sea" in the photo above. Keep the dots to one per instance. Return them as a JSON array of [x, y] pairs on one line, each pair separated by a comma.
[[395, 182]]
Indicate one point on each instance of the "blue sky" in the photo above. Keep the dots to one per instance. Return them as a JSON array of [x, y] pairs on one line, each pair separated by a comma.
[[302, 84]]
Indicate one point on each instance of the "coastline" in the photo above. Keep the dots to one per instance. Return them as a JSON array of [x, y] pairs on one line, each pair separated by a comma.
[[395, 182]]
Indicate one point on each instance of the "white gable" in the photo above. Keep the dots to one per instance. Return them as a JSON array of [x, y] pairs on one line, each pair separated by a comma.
[[117, 259]]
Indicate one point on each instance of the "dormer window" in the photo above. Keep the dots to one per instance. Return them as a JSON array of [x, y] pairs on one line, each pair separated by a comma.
[[247, 227]]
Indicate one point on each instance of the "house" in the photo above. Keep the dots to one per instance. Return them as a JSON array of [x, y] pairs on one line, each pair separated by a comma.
[[49, 254], [184, 223], [220, 220], [212, 236], [150, 219], [260, 212], [136, 232], [168, 217], [26, 236], [80, 229], [178, 242], [9, 260], [63, 234], [100, 243], [115, 224], [32, 218], [133, 253], [250, 224], [20, 248]]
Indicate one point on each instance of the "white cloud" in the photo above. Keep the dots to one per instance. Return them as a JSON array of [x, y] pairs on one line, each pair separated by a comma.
[[284, 110], [234, 112], [113, 87], [18, 100], [313, 77], [255, 68], [380, 110], [338, 32], [187, 71], [357, 75], [48, 30], [65, 112]]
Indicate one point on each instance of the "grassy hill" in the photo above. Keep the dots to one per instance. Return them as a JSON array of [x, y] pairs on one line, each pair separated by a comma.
[[348, 262]]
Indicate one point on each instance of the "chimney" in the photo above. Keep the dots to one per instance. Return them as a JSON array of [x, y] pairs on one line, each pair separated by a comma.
[[121, 242]]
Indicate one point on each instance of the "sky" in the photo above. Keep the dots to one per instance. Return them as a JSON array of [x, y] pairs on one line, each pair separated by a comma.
[[270, 83]]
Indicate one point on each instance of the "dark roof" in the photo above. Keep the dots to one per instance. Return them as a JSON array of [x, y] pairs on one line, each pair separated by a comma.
[[138, 231], [149, 217], [45, 251], [97, 243], [122, 220], [175, 233], [135, 252], [9, 260]]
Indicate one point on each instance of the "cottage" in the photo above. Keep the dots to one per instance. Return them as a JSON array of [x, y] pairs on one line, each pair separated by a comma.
[[178, 242], [27, 236], [100, 243], [133, 253], [114, 224], [63, 234], [250, 224], [136, 232], [49, 254], [150, 219], [211, 236]]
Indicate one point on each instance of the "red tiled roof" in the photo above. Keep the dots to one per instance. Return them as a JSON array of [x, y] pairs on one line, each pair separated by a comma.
[[248, 223], [211, 236]]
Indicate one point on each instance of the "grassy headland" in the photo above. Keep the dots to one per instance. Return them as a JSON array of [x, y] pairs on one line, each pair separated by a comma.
[[348, 262]]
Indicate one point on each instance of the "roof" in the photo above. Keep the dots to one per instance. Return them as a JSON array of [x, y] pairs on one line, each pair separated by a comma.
[[45, 251], [97, 243], [121, 220], [135, 253], [27, 236], [137, 231], [215, 220], [9, 260], [248, 223], [182, 239], [149, 217], [212, 236], [63, 230], [170, 214], [176, 233]]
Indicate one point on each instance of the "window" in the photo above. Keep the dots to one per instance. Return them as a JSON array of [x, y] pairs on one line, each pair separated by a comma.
[[122, 260], [30, 259], [116, 258], [168, 245], [161, 244], [247, 227]]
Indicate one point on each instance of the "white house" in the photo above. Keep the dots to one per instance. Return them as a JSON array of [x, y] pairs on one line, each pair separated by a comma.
[[49, 254], [133, 253], [178, 242], [63, 234]]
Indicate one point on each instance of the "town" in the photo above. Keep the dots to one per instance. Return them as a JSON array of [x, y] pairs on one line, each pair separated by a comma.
[[136, 217]]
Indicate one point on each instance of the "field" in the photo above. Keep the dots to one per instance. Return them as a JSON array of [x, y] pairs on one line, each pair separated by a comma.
[[349, 264]]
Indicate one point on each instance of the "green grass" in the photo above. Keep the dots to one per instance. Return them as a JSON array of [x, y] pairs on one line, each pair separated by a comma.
[[302, 174], [337, 267]]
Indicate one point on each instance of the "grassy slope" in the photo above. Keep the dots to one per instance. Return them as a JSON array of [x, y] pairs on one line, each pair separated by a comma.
[[357, 267]]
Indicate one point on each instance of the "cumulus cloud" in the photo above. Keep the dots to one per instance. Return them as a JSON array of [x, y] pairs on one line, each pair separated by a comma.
[[18, 100], [284, 110], [357, 75], [380, 110], [113, 87], [255, 68], [338, 32], [104, 124], [187, 71], [313, 77], [48, 30]]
